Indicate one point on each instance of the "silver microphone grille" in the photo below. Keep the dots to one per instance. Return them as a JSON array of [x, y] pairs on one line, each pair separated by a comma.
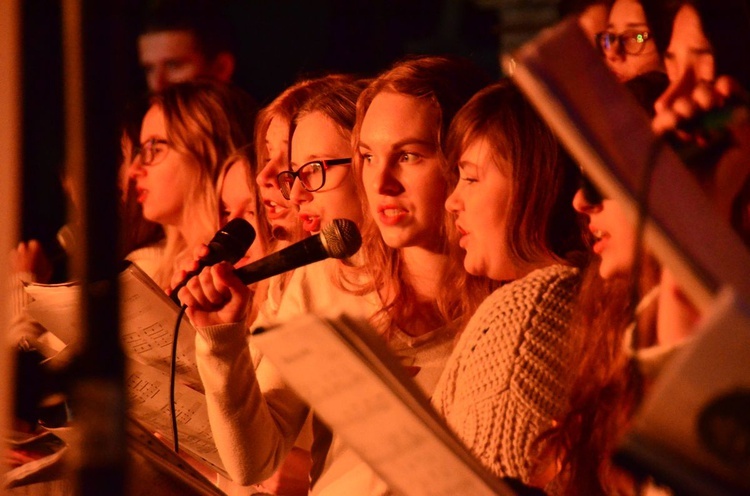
[[341, 238]]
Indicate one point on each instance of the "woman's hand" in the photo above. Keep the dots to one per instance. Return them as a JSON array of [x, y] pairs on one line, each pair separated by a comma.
[[723, 175], [215, 296]]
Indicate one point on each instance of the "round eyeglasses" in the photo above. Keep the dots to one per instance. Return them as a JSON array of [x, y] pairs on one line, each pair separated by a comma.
[[312, 175], [153, 151], [631, 41]]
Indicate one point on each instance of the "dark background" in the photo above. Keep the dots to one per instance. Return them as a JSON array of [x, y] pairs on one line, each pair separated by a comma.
[[278, 41]]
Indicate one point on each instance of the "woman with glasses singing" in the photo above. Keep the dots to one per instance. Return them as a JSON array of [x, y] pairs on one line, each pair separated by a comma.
[[320, 182], [627, 44], [405, 279], [187, 134]]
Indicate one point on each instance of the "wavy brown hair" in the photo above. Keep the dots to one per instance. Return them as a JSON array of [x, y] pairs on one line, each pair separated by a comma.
[[447, 83], [541, 221]]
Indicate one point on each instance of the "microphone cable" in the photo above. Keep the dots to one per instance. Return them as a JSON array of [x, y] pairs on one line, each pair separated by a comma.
[[173, 378]]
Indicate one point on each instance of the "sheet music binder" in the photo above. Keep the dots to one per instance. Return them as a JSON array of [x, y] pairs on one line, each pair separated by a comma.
[[356, 385]]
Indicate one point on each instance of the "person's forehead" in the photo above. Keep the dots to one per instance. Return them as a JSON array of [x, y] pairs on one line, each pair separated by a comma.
[[168, 44]]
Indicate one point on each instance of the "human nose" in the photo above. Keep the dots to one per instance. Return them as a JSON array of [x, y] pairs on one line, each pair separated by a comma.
[[454, 202], [298, 194], [157, 80], [615, 53], [384, 179], [135, 168], [267, 177], [580, 204]]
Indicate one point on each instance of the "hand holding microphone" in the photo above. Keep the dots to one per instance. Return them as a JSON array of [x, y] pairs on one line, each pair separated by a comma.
[[220, 295], [229, 244]]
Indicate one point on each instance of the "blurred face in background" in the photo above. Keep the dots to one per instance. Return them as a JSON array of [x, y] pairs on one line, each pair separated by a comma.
[[174, 56], [169, 57], [280, 212], [237, 200], [627, 44], [689, 58], [613, 232]]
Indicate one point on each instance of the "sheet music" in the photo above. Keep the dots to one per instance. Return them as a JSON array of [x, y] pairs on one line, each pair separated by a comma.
[[147, 320], [385, 421], [148, 391]]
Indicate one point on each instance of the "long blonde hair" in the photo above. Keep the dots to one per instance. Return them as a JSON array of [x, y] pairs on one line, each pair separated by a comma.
[[207, 121]]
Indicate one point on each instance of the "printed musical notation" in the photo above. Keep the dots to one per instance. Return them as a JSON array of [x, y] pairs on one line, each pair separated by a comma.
[[147, 321]]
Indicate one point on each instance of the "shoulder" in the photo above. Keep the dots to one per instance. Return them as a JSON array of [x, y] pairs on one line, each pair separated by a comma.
[[550, 287], [148, 258]]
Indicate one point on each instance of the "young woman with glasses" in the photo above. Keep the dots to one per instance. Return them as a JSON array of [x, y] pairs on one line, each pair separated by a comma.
[[627, 44], [187, 135], [320, 181], [404, 279], [613, 375], [603, 388]]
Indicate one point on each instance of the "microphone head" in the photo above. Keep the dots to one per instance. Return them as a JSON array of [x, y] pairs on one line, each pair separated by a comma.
[[231, 242], [341, 238]]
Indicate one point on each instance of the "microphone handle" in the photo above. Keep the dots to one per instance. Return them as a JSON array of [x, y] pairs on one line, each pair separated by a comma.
[[305, 252]]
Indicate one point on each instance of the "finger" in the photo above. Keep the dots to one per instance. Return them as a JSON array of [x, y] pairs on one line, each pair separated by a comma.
[[35, 247], [684, 107], [664, 121], [706, 98], [197, 293], [209, 284], [186, 298], [729, 87], [200, 251], [230, 283]]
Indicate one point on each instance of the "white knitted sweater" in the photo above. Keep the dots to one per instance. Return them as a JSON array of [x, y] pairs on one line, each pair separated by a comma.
[[506, 380]]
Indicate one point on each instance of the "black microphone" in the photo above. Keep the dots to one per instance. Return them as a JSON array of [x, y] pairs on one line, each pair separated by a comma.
[[228, 244], [339, 239]]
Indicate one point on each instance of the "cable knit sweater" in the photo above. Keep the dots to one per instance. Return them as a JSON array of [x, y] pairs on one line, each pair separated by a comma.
[[506, 380]]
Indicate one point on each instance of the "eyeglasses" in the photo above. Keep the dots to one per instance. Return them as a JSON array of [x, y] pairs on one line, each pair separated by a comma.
[[312, 175], [631, 41], [153, 151], [591, 194]]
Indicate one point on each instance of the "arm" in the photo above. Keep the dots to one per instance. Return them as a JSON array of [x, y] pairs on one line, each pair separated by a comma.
[[254, 417]]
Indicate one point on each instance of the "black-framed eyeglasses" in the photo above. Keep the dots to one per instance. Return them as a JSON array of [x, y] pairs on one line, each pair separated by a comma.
[[312, 175], [153, 151], [591, 194], [632, 41]]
